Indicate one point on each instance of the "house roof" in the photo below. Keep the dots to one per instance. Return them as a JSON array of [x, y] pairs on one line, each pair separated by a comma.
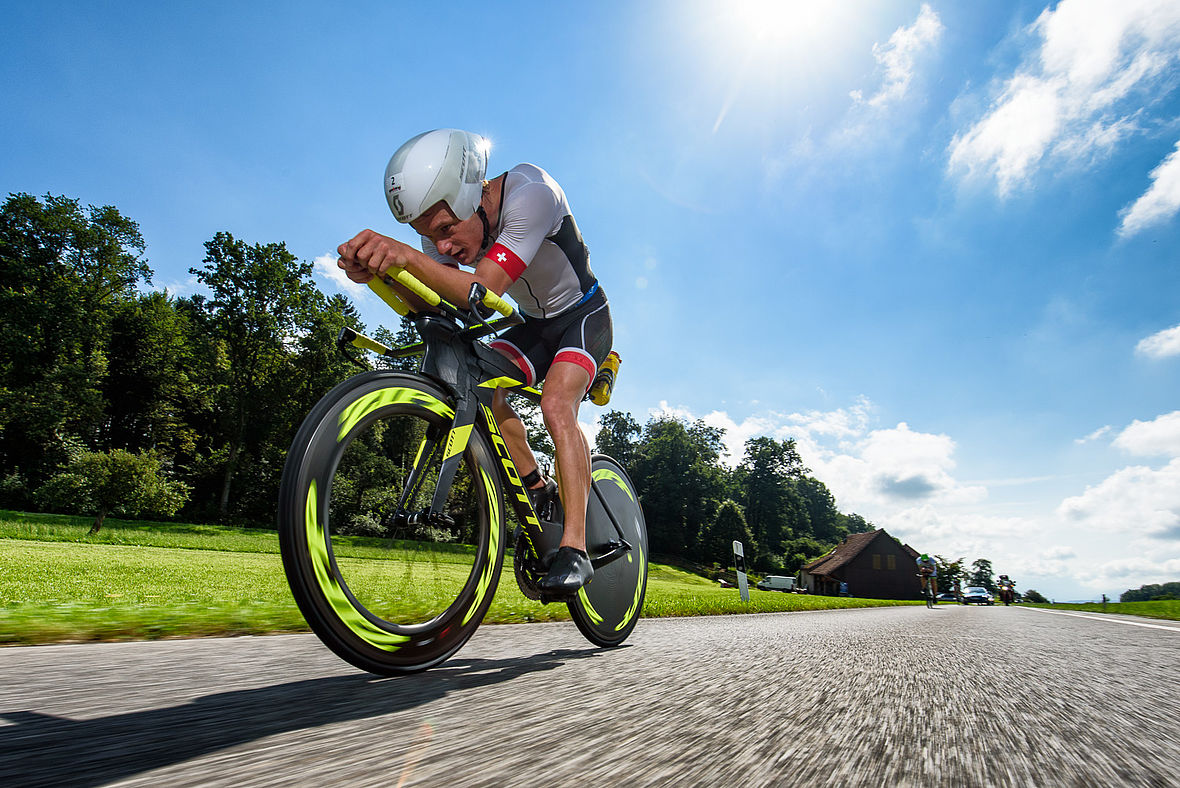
[[852, 546]]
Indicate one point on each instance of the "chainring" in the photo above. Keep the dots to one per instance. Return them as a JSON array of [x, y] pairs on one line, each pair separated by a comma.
[[527, 569]]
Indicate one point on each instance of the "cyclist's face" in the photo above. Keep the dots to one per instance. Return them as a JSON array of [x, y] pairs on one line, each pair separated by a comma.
[[459, 239]]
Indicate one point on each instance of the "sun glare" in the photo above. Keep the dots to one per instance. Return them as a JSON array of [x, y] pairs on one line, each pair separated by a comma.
[[769, 53], [779, 23]]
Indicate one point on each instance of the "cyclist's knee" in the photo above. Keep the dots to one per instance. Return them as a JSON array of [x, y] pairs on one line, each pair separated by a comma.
[[559, 412], [564, 387]]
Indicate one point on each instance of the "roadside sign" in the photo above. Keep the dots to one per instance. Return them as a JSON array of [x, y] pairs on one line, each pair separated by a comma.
[[739, 561]]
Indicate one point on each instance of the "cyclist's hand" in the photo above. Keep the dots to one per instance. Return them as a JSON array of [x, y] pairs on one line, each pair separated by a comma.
[[355, 271], [370, 253]]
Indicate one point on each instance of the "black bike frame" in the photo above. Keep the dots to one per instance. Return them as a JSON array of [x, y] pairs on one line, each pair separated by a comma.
[[470, 372]]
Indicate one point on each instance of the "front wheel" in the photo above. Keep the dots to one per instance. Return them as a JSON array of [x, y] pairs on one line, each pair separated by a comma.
[[607, 608], [388, 591]]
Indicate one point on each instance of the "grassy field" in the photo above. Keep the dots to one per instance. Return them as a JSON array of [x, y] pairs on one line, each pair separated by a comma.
[[1166, 608], [142, 580]]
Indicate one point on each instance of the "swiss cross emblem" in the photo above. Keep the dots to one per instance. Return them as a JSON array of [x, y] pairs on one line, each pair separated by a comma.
[[503, 258]]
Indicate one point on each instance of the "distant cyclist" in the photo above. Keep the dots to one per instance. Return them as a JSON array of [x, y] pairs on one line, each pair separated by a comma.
[[928, 571], [518, 234]]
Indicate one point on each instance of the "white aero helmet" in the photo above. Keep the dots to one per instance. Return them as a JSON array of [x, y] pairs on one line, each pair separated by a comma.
[[444, 164]]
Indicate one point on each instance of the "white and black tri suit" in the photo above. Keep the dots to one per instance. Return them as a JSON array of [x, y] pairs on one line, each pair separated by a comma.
[[538, 245]]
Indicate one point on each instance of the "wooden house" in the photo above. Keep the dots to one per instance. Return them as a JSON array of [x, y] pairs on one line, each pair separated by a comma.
[[873, 564]]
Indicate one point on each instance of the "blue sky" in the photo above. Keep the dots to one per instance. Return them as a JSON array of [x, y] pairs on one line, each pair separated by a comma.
[[936, 243]]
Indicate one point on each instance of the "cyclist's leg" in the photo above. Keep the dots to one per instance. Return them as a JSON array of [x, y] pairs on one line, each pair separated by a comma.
[[514, 434], [517, 344], [565, 385], [582, 343]]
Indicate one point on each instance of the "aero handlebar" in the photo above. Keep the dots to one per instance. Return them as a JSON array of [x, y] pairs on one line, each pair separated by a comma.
[[418, 288]]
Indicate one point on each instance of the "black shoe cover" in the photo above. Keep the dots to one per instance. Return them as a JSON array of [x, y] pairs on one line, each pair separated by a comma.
[[571, 569]]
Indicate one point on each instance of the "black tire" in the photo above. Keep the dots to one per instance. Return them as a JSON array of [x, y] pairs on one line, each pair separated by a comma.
[[358, 443], [607, 608]]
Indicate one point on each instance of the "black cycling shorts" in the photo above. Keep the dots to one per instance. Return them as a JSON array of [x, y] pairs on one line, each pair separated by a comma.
[[581, 335]]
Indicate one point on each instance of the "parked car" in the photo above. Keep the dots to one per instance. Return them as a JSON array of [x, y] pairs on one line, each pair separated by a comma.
[[947, 596], [777, 583], [721, 581], [977, 595]]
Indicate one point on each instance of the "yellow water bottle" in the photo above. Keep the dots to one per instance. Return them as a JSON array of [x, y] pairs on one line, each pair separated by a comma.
[[604, 381]]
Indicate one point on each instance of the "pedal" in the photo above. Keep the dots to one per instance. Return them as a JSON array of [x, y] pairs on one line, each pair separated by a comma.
[[546, 597]]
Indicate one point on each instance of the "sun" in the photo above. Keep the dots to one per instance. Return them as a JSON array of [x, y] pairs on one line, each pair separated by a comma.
[[775, 24], [768, 54]]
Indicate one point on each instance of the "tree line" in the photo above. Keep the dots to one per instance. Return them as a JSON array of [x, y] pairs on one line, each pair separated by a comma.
[[1151, 592], [118, 399]]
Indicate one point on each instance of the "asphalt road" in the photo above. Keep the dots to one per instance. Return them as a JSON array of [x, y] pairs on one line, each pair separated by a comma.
[[884, 697]]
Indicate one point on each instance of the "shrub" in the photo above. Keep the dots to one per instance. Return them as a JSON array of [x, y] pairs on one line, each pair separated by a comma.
[[115, 482]]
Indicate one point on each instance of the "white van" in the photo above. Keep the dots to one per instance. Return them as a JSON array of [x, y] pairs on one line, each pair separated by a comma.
[[777, 583]]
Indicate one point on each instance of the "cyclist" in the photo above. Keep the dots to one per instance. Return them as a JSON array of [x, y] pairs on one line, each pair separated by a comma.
[[518, 234], [928, 571]]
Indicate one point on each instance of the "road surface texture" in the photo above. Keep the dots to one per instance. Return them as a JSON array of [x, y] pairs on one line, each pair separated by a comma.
[[884, 697]]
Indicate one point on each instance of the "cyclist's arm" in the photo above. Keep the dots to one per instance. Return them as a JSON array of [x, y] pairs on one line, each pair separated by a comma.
[[370, 253]]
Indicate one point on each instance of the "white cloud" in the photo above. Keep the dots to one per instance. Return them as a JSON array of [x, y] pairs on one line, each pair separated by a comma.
[[1161, 344], [176, 289], [1131, 572], [1093, 436], [1161, 435], [1076, 97], [898, 57], [805, 428], [1160, 202], [1137, 501], [326, 268]]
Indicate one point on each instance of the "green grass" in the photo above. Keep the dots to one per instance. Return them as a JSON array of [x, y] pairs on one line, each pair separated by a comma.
[[1166, 608], [141, 580]]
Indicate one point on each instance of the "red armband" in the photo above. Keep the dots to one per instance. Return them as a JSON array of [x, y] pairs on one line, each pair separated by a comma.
[[506, 259]]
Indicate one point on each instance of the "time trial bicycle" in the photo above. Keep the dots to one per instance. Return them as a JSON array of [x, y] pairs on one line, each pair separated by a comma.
[[419, 455], [928, 588]]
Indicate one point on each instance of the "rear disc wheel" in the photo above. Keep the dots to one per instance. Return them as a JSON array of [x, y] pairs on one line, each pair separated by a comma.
[[607, 608]]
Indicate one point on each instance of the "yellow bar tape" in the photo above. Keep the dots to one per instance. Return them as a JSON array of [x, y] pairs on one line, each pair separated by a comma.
[[365, 343], [415, 286], [411, 283], [386, 294], [493, 301]]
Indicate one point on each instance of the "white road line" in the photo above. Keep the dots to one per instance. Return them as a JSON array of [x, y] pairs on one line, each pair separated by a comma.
[[1100, 617]]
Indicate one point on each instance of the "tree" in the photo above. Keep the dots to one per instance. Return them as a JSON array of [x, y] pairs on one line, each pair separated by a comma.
[[1147, 593], [772, 503], [262, 301], [680, 478], [1033, 596], [949, 572], [825, 521], [797, 552], [618, 434], [856, 524], [151, 383], [63, 271], [101, 483], [982, 575], [728, 526]]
